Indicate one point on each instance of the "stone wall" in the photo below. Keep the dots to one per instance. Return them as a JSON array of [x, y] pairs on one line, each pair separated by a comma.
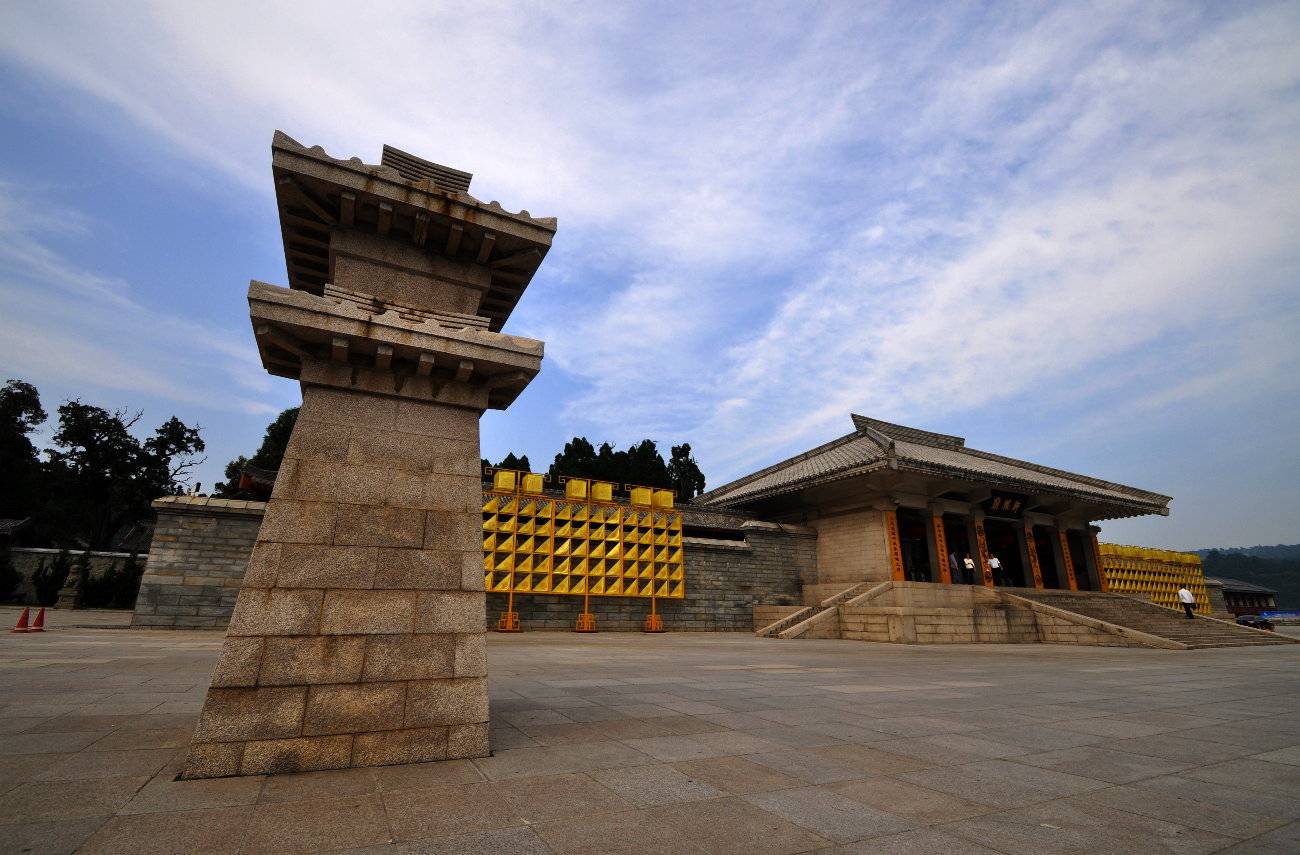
[[851, 547], [27, 559], [196, 561], [201, 548]]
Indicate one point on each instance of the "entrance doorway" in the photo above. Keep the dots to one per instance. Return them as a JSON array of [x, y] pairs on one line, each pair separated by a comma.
[[1003, 542], [1053, 576], [957, 534], [1084, 577], [915, 542]]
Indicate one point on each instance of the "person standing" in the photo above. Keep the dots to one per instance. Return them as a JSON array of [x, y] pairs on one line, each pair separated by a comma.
[[995, 567], [1188, 599], [968, 565], [954, 568]]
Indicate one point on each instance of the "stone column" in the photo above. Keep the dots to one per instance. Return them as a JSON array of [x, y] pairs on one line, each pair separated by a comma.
[[1061, 548], [982, 546], [1094, 552], [1029, 549], [893, 544], [939, 544], [358, 634]]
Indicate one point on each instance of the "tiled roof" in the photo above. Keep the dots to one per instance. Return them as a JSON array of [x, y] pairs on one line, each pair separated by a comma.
[[1240, 587], [876, 444], [8, 528]]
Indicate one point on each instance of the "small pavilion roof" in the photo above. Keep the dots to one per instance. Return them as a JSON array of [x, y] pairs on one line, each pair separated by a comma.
[[876, 444], [1240, 587]]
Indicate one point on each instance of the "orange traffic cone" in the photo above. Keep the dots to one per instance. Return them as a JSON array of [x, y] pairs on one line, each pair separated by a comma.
[[22, 621], [38, 625]]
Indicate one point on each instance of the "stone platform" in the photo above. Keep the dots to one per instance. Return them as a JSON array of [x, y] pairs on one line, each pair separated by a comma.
[[688, 743]]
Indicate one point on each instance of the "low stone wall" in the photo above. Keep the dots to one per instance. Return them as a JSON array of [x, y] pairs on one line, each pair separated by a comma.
[[27, 560], [201, 548], [196, 561], [766, 615]]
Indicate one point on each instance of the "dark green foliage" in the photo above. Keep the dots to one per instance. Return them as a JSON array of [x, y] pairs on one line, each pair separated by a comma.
[[81, 571], [100, 479], [1280, 574], [268, 455], [115, 588], [10, 578], [684, 473], [20, 414], [641, 464], [48, 578]]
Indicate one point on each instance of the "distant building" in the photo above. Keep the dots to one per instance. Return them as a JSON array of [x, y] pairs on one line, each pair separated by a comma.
[[1243, 598]]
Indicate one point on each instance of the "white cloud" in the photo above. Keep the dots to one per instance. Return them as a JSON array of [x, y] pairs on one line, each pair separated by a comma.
[[767, 220], [65, 324]]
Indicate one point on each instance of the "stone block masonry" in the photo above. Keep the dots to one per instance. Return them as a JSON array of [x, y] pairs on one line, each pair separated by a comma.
[[199, 551], [201, 538], [357, 637]]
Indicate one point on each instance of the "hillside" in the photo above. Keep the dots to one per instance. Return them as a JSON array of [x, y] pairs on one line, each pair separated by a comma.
[[1280, 574]]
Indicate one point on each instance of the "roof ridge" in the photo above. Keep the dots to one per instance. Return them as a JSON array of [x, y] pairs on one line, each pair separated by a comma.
[[753, 476], [1063, 473], [907, 433]]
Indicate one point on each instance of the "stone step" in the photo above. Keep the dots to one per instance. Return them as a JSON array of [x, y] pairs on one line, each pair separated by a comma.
[[1152, 619]]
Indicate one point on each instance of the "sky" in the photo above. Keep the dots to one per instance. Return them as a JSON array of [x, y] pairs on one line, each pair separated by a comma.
[[1067, 232]]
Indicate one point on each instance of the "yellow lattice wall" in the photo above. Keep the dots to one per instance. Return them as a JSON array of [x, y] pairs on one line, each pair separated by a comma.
[[533, 544], [1154, 573]]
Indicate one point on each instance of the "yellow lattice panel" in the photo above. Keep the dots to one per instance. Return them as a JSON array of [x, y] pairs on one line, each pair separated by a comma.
[[1154, 574], [583, 544]]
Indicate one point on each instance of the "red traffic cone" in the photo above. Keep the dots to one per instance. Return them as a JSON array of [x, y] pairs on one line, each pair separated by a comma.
[[22, 621], [38, 625]]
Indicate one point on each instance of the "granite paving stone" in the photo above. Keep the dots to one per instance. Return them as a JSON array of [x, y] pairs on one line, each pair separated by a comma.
[[829, 814], [689, 743], [657, 784]]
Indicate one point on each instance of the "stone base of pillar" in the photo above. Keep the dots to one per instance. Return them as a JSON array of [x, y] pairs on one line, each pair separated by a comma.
[[358, 635]]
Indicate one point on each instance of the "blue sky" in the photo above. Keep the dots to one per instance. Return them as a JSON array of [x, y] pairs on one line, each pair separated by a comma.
[[1064, 231]]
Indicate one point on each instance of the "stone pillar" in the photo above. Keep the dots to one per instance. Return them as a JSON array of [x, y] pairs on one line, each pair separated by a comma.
[[894, 545], [982, 545], [1094, 551], [358, 636], [1029, 548], [939, 543], [1061, 545]]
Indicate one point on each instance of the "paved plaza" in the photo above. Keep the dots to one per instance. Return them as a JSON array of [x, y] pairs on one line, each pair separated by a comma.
[[688, 743]]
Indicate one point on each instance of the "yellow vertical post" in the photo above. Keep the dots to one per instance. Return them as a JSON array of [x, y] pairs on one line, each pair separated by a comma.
[[1031, 549], [982, 543], [894, 545], [1067, 560], [941, 549]]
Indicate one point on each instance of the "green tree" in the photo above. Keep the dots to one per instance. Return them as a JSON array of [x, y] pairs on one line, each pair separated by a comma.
[[269, 455], [10, 578], [100, 479], [577, 460], [20, 414], [684, 473], [48, 579]]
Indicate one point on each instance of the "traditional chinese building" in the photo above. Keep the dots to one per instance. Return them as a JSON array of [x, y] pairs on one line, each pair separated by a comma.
[[890, 502]]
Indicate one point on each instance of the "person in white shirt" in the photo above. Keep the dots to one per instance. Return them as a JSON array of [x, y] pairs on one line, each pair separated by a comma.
[[968, 564], [995, 567], [1188, 599]]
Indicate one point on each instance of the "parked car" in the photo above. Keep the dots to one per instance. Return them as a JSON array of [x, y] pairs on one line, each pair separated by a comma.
[[1255, 621]]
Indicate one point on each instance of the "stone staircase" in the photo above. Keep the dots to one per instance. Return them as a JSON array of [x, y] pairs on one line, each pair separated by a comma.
[[798, 622], [1151, 619]]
